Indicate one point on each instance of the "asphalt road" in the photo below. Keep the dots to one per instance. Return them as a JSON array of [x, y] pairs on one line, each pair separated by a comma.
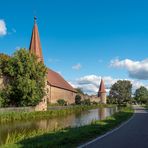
[[134, 134]]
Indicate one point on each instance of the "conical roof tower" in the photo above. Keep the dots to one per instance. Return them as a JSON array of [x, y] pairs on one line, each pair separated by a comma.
[[102, 92], [102, 87], [35, 45]]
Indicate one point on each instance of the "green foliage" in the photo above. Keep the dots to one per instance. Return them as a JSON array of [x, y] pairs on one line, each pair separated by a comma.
[[27, 79], [94, 103], [1, 101], [67, 137], [86, 102], [141, 95], [78, 100], [24, 116], [120, 92], [3, 62], [80, 91], [62, 102], [3, 98]]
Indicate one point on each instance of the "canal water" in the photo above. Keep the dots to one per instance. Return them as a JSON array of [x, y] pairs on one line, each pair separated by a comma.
[[73, 120]]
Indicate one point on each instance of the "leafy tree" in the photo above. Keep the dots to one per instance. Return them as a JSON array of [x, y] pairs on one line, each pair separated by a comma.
[[26, 79], [120, 92], [80, 91], [3, 62], [141, 95], [78, 99]]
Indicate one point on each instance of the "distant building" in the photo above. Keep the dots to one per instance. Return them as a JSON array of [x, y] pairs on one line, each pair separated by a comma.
[[100, 97], [56, 87], [102, 92]]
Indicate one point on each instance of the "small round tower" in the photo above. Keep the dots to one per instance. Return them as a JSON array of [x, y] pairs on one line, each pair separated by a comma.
[[102, 92]]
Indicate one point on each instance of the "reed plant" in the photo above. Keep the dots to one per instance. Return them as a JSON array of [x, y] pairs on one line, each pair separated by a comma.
[[67, 137], [18, 116]]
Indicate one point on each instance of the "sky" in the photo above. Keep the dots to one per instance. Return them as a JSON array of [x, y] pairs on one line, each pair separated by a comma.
[[83, 40]]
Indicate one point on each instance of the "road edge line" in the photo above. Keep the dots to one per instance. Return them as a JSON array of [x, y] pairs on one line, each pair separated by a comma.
[[106, 134]]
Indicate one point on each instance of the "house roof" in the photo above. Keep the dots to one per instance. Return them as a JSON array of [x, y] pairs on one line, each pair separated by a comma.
[[102, 87], [35, 45], [56, 80]]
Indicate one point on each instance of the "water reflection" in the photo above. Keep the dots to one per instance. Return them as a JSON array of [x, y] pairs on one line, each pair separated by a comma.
[[73, 120]]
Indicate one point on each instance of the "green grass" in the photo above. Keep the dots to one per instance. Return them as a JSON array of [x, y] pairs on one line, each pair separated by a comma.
[[145, 106], [18, 116], [68, 137]]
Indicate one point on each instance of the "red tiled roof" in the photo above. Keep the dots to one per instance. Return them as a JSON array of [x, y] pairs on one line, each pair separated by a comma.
[[102, 87], [55, 79]]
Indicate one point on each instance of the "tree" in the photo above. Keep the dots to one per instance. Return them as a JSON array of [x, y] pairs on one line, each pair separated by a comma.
[[80, 91], [26, 79], [141, 95], [3, 62], [120, 92]]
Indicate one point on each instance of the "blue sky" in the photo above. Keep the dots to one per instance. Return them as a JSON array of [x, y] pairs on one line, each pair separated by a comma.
[[83, 39]]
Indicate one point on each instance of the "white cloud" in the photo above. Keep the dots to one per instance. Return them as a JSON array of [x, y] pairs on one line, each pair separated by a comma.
[[136, 69], [90, 83], [77, 66], [3, 29]]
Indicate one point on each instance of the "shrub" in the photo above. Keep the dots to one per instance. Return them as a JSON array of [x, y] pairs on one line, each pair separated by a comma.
[[94, 103], [62, 102], [86, 102], [78, 100], [1, 101]]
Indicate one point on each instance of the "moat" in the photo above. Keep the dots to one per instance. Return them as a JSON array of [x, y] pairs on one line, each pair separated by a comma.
[[73, 120]]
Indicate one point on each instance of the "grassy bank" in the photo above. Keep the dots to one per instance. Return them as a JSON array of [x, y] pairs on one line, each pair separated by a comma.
[[17, 116], [68, 137]]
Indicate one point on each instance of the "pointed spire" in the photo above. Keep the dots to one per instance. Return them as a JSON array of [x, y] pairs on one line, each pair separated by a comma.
[[101, 88], [35, 46]]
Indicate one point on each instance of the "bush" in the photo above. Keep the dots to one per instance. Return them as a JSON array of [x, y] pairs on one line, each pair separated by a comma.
[[94, 103], [1, 101], [62, 102], [86, 102], [78, 100]]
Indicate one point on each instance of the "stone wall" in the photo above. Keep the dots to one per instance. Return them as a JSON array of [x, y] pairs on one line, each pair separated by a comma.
[[42, 106], [3, 81], [55, 94], [103, 98], [92, 98], [17, 109]]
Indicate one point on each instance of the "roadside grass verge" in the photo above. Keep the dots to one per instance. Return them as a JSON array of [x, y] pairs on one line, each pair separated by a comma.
[[68, 137], [18, 116], [145, 106]]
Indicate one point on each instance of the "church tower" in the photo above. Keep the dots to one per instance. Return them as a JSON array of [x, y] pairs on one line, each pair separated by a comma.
[[35, 45], [35, 48], [102, 92]]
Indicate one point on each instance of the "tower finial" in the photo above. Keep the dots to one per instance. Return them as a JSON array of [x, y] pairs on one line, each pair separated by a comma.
[[35, 18]]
